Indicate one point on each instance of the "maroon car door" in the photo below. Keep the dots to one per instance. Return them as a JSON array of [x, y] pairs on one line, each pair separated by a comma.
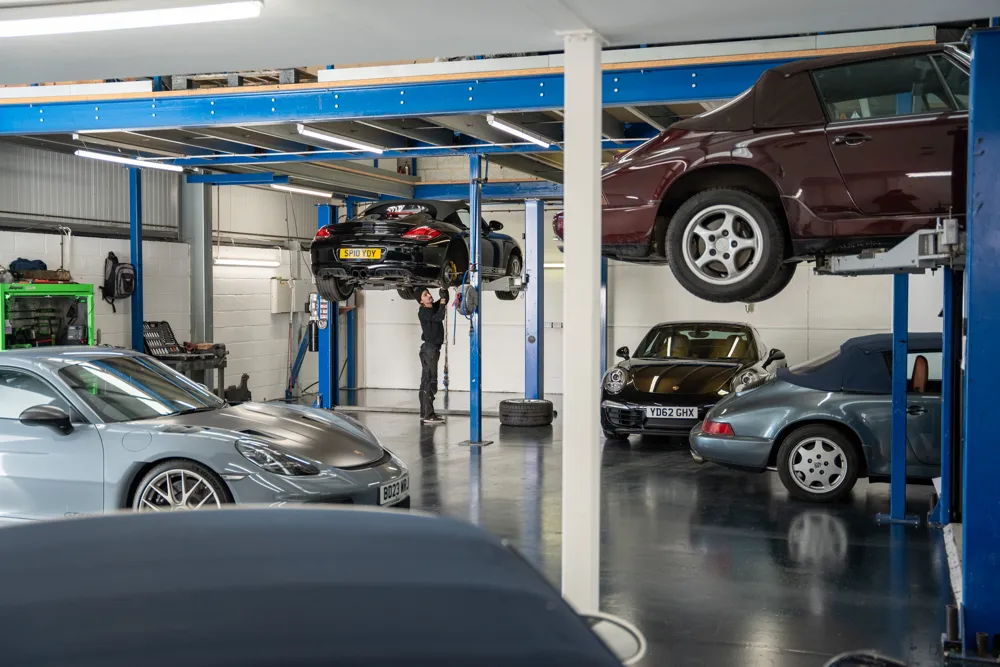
[[895, 133]]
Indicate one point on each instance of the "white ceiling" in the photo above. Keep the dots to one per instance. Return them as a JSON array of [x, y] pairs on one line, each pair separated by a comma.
[[313, 32]]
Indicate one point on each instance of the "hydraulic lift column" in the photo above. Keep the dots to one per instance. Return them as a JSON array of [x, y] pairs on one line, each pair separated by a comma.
[[135, 247], [328, 356]]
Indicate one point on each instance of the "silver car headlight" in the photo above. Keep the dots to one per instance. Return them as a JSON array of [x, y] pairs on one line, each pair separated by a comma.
[[743, 379], [614, 381], [275, 460]]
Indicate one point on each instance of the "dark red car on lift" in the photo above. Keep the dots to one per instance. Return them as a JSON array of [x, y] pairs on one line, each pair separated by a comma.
[[819, 156]]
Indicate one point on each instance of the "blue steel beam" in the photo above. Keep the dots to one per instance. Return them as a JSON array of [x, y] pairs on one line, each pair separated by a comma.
[[135, 249], [475, 279], [236, 179], [534, 299], [981, 494], [495, 190], [898, 448], [327, 357], [404, 153], [351, 204], [317, 103]]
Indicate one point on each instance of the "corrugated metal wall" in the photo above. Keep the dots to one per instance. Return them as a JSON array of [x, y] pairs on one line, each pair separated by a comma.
[[55, 188]]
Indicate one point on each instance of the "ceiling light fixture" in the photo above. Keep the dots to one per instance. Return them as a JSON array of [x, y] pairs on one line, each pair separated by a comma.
[[307, 131], [130, 162], [233, 261], [302, 191], [143, 18], [554, 266], [517, 131]]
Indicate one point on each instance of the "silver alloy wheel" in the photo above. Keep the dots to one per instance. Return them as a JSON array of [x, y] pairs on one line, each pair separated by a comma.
[[178, 489], [818, 465], [515, 266], [722, 244]]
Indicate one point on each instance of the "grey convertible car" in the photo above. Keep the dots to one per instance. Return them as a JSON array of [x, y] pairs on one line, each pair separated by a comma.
[[89, 430], [827, 422]]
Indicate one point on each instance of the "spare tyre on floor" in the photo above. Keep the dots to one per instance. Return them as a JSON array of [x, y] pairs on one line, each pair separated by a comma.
[[526, 412]]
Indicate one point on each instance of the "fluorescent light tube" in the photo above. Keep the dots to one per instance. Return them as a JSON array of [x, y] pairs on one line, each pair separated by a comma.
[[131, 162], [231, 261], [143, 18], [306, 131], [554, 266], [929, 174], [517, 131], [302, 191]]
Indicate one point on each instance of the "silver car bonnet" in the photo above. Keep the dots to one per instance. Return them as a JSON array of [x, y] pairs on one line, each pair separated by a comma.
[[312, 434]]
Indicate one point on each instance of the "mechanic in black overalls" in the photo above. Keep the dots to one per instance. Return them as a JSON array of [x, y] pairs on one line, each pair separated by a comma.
[[431, 316]]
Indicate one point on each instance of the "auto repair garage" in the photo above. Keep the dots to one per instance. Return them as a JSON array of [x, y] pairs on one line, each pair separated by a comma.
[[682, 311]]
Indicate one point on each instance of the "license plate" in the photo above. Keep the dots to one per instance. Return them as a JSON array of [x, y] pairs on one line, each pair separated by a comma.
[[393, 492], [671, 413], [360, 253]]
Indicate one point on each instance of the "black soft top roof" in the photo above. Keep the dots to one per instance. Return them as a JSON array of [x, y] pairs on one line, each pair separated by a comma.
[[860, 366], [784, 96], [441, 209]]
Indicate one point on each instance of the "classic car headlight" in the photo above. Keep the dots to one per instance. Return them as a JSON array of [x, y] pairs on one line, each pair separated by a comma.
[[275, 460], [614, 381], [743, 379]]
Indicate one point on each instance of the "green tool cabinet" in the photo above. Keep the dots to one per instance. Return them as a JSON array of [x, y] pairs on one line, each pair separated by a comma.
[[42, 315]]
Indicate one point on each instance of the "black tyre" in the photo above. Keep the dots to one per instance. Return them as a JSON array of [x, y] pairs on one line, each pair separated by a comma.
[[818, 463], [526, 412], [725, 245], [514, 266], [179, 484], [612, 436], [777, 285], [334, 289], [454, 267], [407, 293]]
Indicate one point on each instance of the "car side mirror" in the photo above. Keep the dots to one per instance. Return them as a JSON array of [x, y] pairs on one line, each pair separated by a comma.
[[495, 225], [49, 416], [623, 353], [774, 355], [621, 637]]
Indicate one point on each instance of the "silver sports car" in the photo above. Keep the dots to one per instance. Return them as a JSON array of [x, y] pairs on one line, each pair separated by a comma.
[[90, 430], [824, 423]]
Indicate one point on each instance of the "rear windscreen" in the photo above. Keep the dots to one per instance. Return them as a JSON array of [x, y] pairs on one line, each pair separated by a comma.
[[397, 211]]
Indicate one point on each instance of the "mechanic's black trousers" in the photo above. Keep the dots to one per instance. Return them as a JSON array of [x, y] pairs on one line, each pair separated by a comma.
[[429, 356]]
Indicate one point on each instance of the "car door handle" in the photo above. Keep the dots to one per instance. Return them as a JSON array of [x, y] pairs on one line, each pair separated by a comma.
[[916, 410], [851, 139]]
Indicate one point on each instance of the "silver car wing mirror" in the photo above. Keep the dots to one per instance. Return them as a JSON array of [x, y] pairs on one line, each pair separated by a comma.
[[621, 637]]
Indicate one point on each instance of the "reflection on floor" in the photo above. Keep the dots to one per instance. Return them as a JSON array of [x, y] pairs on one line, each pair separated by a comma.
[[716, 567]]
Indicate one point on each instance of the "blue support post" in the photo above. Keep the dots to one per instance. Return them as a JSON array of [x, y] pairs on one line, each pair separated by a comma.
[[534, 299], [604, 315], [950, 367], [135, 247], [475, 280], [900, 341], [352, 322], [981, 494], [329, 353]]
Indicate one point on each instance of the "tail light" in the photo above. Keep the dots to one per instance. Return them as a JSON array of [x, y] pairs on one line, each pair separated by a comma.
[[422, 234], [717, 428], [324, 232]]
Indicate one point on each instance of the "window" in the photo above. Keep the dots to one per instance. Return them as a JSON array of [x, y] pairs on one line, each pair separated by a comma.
[[130, 388], [20, 391], [915, 382], [956, 79], [698, 341], [881, 89], [464, 217]]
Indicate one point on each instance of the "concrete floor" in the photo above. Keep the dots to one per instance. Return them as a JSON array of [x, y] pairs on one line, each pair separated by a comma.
[[716, 567]]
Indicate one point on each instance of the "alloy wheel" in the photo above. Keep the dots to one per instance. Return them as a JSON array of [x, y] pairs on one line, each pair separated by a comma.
[[722, 244], [817, 465], [177, 490]]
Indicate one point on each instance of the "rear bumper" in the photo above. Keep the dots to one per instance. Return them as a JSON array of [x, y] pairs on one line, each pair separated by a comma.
[[744, 453], [626, 231], [400, 264]]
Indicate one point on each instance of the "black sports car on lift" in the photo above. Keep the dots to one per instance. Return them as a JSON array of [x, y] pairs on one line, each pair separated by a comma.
[[408, 244], [679, 371]]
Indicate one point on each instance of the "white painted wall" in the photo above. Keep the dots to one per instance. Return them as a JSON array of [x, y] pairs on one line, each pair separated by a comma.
[[166, 289]]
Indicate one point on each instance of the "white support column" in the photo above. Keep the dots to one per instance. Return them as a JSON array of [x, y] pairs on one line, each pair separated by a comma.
[[581, 484]]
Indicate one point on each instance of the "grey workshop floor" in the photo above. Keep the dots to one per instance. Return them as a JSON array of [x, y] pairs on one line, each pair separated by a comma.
[[716, 567]]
